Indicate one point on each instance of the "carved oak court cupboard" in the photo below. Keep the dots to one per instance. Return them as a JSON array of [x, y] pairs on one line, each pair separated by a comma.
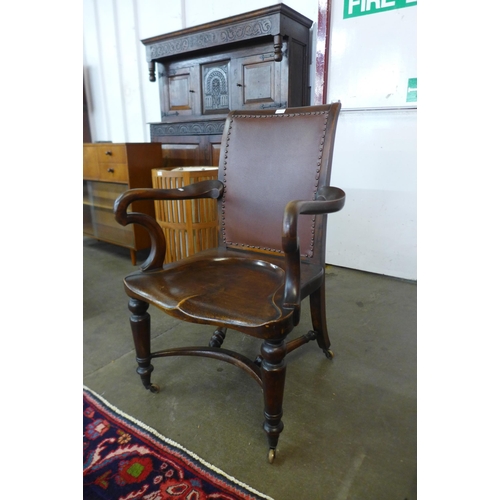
[[109, 169], [256, 60]]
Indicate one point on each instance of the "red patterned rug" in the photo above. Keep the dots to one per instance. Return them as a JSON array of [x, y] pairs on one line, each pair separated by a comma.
[[123, 459]]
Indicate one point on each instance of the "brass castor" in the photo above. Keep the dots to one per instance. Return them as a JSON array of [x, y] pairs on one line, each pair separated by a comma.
[[271, 455], [328, 353], [155, 389]]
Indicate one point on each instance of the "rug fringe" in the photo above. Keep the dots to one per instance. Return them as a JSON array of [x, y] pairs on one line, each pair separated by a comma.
[[177, 445]]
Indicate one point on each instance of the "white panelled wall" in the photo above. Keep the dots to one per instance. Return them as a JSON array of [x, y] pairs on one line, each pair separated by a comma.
[[375, 152]]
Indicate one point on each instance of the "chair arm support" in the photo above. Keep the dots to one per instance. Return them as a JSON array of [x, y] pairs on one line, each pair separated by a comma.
[[203, 189], [328, 200]]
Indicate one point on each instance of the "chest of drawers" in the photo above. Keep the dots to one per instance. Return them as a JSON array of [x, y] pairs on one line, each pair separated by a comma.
[[109, 169]]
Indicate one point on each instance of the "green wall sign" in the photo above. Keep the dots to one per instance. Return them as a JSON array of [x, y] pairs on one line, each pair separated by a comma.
[[356, 8], [411, 93]]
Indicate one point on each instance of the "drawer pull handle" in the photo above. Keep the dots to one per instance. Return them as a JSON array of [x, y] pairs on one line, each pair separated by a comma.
[[111, 170], [108, 153]]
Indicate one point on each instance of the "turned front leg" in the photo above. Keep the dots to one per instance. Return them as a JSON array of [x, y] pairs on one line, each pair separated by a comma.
[[273, 382], [140, 322]]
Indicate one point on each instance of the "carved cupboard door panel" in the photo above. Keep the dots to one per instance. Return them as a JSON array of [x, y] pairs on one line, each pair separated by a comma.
[[215, 87], [180, 88], [258, 82]]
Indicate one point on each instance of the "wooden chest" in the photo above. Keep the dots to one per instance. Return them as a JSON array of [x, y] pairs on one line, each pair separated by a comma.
[[109, 169]]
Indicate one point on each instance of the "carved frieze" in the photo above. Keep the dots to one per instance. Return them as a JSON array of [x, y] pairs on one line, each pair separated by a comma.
[[216, 36], [275, 23], [187, 128]]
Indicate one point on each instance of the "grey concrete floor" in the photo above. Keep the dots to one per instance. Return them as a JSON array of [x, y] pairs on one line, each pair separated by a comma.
[[350, 424]]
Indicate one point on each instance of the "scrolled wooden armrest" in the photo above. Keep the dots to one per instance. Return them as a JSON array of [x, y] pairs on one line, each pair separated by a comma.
[[329, 199], [203, 189]]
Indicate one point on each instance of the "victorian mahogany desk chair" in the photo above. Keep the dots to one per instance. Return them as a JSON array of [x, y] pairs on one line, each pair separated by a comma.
[[273, 193]]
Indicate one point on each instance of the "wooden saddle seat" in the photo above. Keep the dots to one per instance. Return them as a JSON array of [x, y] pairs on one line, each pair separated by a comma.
[[273, 195], [230, 288]]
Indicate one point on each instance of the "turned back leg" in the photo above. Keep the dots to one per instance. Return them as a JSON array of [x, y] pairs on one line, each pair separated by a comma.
[[317, 302], [218, 337]]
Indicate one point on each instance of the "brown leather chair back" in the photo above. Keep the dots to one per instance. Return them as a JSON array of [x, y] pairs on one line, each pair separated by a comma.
[[269, 158]]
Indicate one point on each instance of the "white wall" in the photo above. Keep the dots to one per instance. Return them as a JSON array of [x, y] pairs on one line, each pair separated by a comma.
[[375, 155], [375, 163], [372, 58], [121, 99]]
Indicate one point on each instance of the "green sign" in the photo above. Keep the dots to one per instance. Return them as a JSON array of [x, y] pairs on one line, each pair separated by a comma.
[[356, 8], [411, 93]]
